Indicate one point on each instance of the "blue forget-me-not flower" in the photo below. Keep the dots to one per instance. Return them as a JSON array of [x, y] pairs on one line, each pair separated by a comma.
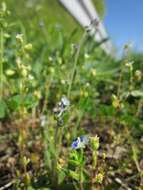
[[62, 106], [80, 142]]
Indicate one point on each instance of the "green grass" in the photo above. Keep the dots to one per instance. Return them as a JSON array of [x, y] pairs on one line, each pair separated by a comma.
[[43, 12]]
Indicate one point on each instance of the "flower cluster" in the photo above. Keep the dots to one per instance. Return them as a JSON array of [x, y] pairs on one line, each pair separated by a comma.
[[83, 141], [62, 107], [80, 142]]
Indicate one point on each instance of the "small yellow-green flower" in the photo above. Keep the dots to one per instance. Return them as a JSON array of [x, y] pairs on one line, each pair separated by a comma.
[[19, 38], [10, 72], [94, 141], [138, 75], [93, 72], [37, 94], [28, 47], [99, 178]]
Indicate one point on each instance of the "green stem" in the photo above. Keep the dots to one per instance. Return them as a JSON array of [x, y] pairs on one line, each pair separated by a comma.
[[1, 63], [81, 181], [139, 107], [81, 172], [75, 64], [131, 80], [120, 81], [55, 159]]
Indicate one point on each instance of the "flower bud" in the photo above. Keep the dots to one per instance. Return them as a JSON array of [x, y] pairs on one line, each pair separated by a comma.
[[10, 72], [93, 72], [138, 75], [24, 72], [99, 178], [94, 142], [19, 38], [28, 47]]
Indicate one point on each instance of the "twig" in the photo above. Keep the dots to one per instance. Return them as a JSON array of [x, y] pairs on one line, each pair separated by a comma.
[[122, 184], [7, 185]]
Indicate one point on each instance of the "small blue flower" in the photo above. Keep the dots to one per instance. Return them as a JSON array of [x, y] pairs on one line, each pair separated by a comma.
[[74, 144], [65, 102], [80, 142], [62, 106]]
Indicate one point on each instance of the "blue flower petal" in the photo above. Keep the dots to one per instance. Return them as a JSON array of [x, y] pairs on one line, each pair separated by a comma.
[[75, 144], [80, 142], [84, 139]]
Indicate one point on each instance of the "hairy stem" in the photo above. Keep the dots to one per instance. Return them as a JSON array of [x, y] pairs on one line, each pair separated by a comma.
[[75, 64], [1, 62], [81, 172]]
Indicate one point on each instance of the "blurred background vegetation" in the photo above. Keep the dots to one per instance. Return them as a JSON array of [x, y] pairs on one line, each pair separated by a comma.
[[48, 13]]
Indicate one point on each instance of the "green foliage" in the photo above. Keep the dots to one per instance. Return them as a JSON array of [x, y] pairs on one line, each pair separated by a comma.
[[100, 7], [3, 109], [41, 15]]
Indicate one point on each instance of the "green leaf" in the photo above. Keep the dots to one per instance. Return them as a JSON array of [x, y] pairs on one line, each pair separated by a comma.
[[74, 175], [3, 109], [137, 93], [30, 101], [14, 102], [134, 93], [74, 162], [61, 176]]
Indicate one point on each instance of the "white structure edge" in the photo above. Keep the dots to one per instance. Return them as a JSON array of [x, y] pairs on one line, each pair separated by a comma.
[[78, 12]]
